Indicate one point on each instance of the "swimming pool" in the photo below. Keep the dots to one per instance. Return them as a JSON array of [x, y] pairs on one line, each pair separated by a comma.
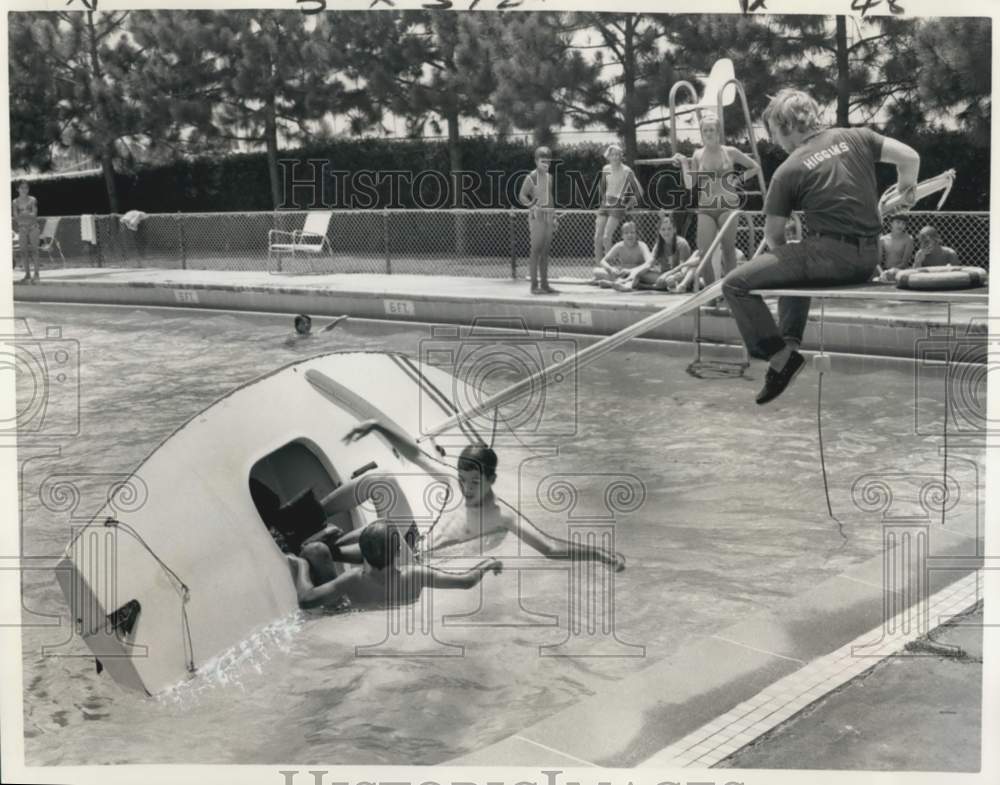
[[732, 519]]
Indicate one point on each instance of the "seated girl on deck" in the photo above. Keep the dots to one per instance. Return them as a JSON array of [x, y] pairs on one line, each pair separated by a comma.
[[669, 251]]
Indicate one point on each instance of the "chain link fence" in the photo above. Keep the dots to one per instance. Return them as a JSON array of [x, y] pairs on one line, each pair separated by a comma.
[[475, 243]]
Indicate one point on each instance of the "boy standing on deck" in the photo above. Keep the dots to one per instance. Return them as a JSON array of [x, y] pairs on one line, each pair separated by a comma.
[[830, 176], [537, 194]]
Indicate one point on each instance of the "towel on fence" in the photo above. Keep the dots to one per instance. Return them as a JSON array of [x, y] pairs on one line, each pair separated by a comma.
[[88, 229], [133, 218]]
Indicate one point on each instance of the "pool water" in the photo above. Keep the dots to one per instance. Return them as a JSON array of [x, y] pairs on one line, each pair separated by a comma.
[[726, 517]]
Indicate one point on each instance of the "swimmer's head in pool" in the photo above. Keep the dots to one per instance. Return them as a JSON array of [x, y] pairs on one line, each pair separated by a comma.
[[477, 471], [379, 543], [303, 324]]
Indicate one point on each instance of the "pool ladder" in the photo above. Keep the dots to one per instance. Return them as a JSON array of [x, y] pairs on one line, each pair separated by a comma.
[[697, 363]]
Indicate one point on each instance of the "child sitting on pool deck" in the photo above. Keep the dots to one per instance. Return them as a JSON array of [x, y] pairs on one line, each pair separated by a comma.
[[669, 251], [625, 262], [681, 278], [895, 250], [382, 582], [932, 253]]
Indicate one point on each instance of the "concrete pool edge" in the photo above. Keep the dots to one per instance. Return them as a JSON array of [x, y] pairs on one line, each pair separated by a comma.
[[640, 717], [576, 309]]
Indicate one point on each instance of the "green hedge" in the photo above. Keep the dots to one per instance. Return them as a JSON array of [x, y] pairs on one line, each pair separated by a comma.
[[239, 182]]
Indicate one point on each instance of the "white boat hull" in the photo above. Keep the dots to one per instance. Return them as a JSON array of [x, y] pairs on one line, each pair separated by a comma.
[[200, 528]]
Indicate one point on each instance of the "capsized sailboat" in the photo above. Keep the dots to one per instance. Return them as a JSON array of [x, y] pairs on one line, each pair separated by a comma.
[[157, 591]]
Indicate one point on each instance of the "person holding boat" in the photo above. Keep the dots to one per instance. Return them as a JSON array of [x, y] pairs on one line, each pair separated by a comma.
[[385, 579], [481, 512], [830, 176]]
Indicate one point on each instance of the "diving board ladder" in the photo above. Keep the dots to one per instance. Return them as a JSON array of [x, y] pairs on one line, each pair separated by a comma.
[[733, 84]]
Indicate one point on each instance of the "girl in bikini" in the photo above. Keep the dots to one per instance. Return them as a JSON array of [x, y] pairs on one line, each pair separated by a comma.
[[25, 209], [620, 191], [711, 172]]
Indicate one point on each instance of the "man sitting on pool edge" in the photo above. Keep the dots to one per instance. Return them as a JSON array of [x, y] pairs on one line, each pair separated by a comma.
[[382, 582]]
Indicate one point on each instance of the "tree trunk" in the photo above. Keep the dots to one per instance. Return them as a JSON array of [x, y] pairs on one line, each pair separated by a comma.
[[108, 169], [271, 140], [455, 162], [628, 79], [843, 75], [105, 136]]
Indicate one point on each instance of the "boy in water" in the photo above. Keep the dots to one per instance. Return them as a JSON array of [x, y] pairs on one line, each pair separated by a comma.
[[303, 328], [481, 512], [383, 582]]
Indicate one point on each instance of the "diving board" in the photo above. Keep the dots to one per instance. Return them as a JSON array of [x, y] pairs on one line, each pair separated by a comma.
[[880, 291]]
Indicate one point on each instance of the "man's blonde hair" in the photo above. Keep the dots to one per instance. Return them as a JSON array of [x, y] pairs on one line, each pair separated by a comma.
[[792, 110]]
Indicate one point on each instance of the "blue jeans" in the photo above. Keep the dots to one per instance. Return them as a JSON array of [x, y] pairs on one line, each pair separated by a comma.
[[816, 261]]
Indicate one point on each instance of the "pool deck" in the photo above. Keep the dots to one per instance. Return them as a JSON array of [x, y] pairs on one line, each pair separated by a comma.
[[881, 327], [723, 689]]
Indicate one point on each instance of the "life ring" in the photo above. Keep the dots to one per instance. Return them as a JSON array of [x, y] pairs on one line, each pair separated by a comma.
[[942, 278]]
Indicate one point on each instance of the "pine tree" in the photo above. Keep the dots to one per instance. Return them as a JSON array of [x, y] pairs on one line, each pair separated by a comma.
[[954, 78], [84, 72], [254, 78]]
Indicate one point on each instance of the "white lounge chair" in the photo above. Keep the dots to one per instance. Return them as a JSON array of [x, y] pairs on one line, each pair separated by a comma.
[[47, 240], [311, 239]]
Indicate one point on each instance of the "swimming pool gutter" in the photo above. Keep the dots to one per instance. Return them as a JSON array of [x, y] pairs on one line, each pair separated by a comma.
[[888, 331]]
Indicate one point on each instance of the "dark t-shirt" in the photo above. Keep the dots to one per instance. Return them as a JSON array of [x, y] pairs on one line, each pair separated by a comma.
[[831, 178]]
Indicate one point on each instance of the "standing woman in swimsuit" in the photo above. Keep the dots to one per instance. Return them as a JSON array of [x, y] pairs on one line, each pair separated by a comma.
[[711, 172], [25, 210], [620, 191]]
